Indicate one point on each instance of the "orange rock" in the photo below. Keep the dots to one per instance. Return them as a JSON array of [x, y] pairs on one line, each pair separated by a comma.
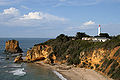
[[40, 52], [12, 46]]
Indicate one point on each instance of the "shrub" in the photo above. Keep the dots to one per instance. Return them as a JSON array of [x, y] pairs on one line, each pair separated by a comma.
[[116, 75], [97, 65], [91, 67], [115, 64], [117, 52]]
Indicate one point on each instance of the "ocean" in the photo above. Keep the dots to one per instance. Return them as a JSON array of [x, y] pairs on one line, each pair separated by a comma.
[[23, 71]]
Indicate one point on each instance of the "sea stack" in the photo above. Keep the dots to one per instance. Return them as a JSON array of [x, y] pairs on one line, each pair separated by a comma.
[[12, 46]]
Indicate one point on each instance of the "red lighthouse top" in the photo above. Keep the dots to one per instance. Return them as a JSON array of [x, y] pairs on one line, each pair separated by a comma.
[[99, 25]]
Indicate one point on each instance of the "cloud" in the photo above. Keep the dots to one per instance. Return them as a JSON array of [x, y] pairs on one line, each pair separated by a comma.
[[11, 11], [8, 15], [86, 25], [12, 18], [42, 16], [33, 15]]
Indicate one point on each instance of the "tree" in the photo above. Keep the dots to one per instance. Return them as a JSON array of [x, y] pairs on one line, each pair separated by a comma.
[[79, 35], [104, 35], [62, 38]]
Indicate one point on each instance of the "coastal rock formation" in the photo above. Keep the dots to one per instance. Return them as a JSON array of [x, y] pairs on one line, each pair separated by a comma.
[[40, 52], [12, 46], [103, 57], [104, 61], [18, 59]]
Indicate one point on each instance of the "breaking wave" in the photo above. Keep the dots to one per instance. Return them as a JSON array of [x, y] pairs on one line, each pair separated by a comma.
[[59, 75], [18, 72]]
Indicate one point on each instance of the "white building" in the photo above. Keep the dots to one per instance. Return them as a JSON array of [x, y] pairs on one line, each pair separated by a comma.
[[100, 39], [95, 39]]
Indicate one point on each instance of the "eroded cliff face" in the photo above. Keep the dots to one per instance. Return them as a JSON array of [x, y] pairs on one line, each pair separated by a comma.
[[104, 61], [40, 52], [12, 46]]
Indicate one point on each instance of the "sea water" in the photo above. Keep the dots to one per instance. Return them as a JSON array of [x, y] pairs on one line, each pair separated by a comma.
[[23, 71]]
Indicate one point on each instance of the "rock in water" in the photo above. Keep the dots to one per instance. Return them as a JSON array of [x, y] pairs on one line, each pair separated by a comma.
[[12, 46], [18, 59]]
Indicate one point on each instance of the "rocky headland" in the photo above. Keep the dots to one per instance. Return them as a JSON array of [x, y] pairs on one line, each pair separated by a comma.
[[12, 46], [103, 57], [40, 52]]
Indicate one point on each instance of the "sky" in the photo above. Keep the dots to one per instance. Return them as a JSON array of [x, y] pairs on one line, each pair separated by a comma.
[[49, 18]]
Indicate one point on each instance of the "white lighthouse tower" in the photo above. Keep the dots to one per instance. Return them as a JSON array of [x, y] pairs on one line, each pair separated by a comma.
[[99, 30]]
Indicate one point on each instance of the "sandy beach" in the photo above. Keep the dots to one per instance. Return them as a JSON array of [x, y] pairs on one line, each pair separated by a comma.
[[75, 73]]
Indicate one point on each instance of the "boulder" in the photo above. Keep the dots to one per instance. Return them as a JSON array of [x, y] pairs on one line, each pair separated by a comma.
[[12, 46], [18, 59]]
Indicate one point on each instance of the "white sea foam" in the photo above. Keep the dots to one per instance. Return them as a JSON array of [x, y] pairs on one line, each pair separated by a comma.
[[14, 55], [6, 71], [59, 75], [4, 66], [2, 58], [19, 72]]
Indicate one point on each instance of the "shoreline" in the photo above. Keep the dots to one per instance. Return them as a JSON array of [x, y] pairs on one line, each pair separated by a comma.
[[60, 75], [74, 73]]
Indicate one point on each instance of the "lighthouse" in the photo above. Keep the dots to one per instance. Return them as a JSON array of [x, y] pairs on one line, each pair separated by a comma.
[[99, 30]]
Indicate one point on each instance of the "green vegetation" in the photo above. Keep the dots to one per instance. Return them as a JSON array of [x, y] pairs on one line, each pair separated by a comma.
[[79, 35], [115, 64], [116, 75], [97, 65], [64, 46], [105, 63], [110, 44], [91, 67], [117, 53], [109, 62], [104, 35]]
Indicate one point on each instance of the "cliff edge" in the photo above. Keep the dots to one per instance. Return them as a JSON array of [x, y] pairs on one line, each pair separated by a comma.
[[104, 61]]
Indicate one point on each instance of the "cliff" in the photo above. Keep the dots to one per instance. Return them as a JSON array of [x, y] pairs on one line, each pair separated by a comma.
[[104, 61], [12, 46], [103, 57], [40, 52]]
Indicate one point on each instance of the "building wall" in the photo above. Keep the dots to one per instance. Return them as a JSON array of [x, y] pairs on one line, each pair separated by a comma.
[[95, 39]]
